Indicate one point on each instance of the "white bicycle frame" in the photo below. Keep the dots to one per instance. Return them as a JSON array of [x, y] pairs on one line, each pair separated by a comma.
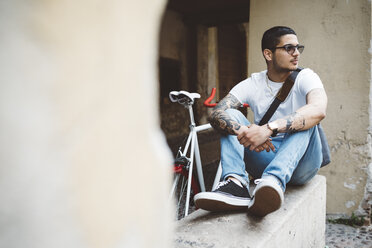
[[195, 152]]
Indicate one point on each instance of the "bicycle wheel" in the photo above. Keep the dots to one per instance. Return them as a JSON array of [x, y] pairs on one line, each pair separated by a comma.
[[179, 189]]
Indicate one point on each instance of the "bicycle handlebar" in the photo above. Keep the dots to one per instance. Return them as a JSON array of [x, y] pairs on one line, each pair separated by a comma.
[[208, 103]]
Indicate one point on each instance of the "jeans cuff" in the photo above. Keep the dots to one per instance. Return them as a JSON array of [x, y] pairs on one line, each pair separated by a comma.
[[241, 179], [276, 179]]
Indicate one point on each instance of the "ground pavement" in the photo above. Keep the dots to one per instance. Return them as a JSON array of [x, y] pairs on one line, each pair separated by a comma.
[[343, 236]]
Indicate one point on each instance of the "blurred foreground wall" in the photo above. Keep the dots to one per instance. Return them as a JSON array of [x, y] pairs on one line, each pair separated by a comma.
[[82, 160]]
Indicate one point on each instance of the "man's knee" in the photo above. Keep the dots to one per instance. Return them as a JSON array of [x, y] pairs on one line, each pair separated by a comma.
[[233, 112], [236, 115]]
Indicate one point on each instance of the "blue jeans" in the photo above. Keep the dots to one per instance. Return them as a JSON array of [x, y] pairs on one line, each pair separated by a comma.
[[296, 159]]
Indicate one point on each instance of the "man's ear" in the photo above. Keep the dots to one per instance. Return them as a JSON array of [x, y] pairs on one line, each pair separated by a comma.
[[268, 54]]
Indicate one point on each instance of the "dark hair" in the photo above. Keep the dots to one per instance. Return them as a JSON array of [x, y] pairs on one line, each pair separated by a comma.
[[271, 37]]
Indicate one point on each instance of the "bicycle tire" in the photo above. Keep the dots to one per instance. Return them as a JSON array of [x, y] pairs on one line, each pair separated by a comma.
[[180, 193]]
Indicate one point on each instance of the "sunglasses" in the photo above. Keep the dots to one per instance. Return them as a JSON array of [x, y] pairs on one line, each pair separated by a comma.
[[291, 48]]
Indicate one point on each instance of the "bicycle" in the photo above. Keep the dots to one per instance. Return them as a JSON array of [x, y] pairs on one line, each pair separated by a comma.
[[185, 183]]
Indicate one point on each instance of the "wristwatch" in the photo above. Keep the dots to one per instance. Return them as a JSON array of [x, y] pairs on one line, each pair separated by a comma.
[[273, 127]]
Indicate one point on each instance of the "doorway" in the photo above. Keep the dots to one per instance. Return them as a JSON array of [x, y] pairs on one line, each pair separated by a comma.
[[185, 54]]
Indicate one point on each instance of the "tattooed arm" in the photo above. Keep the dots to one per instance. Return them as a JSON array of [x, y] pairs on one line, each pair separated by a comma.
[[252, 136], [258, 137], [307, 116], [220, 120]]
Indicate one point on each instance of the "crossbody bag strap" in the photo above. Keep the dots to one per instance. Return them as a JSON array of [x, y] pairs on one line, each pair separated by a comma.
[[280, 96]]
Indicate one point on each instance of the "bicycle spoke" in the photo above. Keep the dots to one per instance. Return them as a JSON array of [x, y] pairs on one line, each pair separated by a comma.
[[174, 186], [181, 198]]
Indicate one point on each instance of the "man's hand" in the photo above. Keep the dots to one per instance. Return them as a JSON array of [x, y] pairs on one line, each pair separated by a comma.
[[265, 146], [255, 137]]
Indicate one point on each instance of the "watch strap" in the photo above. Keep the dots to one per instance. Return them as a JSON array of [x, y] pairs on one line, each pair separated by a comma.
[[275, 131]]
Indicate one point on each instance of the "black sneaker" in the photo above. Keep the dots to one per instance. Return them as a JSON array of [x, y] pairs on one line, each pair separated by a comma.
[[227, 196]]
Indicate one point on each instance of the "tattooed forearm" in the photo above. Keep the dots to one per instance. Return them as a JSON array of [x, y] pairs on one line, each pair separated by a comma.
[[221, 120], [295, 122], [307, 116]]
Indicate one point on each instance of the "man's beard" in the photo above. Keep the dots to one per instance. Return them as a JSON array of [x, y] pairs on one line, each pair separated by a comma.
[[280, 69]]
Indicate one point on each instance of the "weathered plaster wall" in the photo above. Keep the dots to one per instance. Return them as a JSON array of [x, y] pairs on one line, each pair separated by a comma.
[[82, 159], [336, 34]]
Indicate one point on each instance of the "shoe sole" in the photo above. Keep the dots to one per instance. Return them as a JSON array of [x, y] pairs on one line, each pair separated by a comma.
[[266, 200], [215, 202]]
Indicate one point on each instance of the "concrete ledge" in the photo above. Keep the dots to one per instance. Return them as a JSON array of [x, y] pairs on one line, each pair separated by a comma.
[[299, 223]]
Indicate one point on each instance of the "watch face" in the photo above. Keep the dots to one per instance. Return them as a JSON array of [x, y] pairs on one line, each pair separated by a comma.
[[273, 126]]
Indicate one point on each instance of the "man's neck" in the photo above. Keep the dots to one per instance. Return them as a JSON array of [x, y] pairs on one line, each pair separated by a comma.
[[276, 76]]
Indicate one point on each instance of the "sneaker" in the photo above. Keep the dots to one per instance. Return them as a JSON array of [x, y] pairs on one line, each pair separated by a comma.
[[227, 196], [267, 197]]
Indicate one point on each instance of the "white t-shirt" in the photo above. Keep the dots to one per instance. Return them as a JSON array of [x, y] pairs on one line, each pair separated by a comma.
[[255, 91]]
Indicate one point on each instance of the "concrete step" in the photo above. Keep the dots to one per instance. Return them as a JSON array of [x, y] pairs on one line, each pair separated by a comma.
[[299, 223]]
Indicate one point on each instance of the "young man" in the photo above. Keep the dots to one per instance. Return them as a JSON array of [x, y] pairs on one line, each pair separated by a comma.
[[287, 150]]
